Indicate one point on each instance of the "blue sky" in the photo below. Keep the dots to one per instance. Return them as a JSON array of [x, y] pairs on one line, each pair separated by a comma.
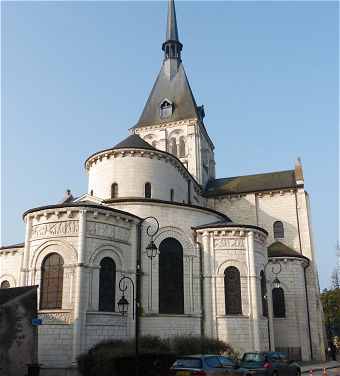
[[75, 76]]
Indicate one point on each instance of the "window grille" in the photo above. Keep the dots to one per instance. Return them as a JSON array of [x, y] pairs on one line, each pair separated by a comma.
[[107, 285], [114, 190], [165, 109], [147, 190], [279, 306], [5, 285], [181, 147], [278, 230], [173, 147], [171, 292], [52, 276], [232, 291]]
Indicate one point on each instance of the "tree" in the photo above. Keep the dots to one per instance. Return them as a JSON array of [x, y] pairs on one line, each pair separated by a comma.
[[331, 306]]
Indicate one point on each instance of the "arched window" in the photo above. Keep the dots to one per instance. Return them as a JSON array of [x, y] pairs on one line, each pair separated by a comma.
[[147, 190], [107, 285], [172, 193], [278, 230], [5, 285], [279, 307], [171, 292], [264, 294], [173, 146], [52, 276], [114, 190], [181, 147], [232, 291]]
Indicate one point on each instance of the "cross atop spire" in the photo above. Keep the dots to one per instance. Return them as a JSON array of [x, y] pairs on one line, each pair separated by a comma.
[[172, 47]]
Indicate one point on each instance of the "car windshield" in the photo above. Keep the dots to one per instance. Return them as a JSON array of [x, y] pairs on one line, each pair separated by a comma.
[[227, 362], [188, 363], [253, 357]]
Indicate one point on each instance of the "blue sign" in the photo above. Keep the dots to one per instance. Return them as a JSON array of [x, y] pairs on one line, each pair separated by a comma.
[[36, 322]]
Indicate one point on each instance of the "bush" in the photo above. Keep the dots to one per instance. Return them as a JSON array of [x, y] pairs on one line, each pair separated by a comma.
[[186, 345], [117, 357]]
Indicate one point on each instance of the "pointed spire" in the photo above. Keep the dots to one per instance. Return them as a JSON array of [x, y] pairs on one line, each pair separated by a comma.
[[172, 31], [172, 47], [299, 172]]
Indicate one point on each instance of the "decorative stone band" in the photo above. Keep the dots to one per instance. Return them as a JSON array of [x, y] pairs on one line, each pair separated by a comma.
[[145, 153], [233, 237], [60, 317]]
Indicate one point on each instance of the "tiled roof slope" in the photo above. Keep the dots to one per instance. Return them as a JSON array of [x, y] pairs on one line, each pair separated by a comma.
[[279, 249], [133, 141], [252, 183]]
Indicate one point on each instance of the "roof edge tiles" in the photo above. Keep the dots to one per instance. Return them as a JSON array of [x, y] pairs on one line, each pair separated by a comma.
[[229, 224], [10, 246]]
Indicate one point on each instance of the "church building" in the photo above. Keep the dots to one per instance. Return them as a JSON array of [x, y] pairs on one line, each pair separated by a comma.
[[230, 258]]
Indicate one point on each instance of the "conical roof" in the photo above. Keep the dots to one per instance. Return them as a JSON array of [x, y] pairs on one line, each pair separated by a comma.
[[278, 249], [133, 142], [172, 85]]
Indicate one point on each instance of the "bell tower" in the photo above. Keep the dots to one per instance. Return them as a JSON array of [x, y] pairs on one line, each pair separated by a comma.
[[171, 120]]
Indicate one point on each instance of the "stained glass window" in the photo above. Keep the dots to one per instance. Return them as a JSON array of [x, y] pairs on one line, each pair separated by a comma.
[[171, 292], [107, 285], [278, 229], [52, 275], [279, 306], [232, 290]]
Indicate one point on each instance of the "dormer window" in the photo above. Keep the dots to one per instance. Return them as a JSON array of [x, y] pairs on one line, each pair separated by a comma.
[[166, 108]]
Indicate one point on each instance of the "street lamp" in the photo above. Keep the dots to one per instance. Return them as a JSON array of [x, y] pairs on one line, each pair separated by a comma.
[[276, 284], [123, 303], [151, 250]]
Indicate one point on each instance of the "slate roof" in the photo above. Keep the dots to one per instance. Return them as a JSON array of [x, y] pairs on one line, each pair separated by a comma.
[[252, 183], [279, 249], [175, 87], [133, 142], [228, 223]]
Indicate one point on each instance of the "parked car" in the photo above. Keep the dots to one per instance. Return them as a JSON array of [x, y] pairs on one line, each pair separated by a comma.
[[269, 364], [206, 365]]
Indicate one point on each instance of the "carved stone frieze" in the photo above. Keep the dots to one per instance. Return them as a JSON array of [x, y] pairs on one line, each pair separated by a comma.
[[55, 318], [229, 243], [107, 231], [63, 228]]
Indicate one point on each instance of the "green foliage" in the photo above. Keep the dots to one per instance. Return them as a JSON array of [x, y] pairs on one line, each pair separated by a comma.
[[331, 306], [185, 345], [105, 358]]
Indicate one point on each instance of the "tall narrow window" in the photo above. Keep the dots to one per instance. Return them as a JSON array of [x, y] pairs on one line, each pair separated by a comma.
[[171, 292], [279, 306], [181, 147], [107, 285], [172, 193], [114, 190], [189, 191], [91, 193], [278, 230], [264, 294], [147, 190], [52, 276], [232, 291], [5, 285], [173, 147]]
